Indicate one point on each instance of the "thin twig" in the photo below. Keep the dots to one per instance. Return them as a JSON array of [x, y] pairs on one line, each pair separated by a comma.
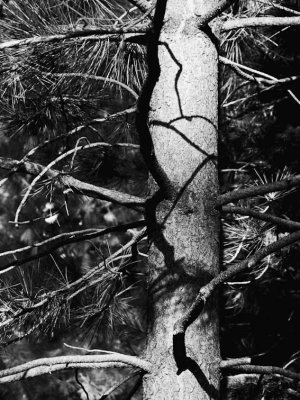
[[94, 77], [62, 240]]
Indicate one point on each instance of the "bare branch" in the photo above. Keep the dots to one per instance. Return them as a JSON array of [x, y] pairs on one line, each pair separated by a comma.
[[215, 12], [254, 22], [260, 369], [258, 190], [48, 365], [234, 362], [71, 35], [142, 5], [49, 167], [206, 291], [259, 77], [283, 223], [76, 185], [62, 240]]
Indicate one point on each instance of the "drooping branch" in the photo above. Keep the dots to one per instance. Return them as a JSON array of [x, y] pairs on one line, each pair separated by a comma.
[[74, 184], [61, 240], [254, 22], [97, 78], [72, 132], [283, 223], [259, 369], [15, 43], [48, 365], [207, 290], [258, 190]]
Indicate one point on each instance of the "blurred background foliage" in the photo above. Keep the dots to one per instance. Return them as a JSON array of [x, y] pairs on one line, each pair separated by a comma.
[[259, 143]]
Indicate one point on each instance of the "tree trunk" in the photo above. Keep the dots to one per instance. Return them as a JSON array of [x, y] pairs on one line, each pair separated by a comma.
[[184, 254]]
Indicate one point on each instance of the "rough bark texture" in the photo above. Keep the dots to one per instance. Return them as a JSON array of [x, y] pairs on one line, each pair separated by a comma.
[[184, 255]]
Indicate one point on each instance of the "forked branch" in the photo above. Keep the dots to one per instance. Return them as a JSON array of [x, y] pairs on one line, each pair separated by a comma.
[[74, 184]]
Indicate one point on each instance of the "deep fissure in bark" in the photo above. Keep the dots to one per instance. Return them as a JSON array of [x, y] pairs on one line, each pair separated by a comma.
[[180, 100]]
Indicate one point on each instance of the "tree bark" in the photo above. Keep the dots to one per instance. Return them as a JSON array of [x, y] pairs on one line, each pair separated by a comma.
[[184, 254]]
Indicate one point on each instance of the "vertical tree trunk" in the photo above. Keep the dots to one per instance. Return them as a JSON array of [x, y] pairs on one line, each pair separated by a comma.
[[185, 255]]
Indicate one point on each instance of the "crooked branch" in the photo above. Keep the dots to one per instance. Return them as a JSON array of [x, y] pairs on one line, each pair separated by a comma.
[[206, 291], [76, 185], [73, 131], [49, 166], [48, 365]]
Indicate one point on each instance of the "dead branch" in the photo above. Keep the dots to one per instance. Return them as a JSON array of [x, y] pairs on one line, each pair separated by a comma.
[[74, 184], [48, 365], [255, 22]]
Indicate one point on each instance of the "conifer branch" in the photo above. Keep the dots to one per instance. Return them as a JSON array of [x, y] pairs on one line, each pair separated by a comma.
[[61, 240], [48, 365], [259, 369], [283, 223], [73, 131], [254, 22], [258, 190], [74, 184], [142, 5], [215, 12], [49, 167], [234, 362], [206, 291], [96, 78], [16, 43]]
